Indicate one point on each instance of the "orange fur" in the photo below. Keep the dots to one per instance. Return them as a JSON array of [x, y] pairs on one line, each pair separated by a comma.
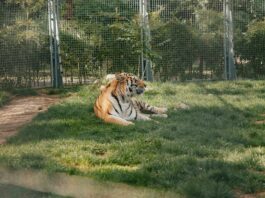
[[103, 105], [116, 105]]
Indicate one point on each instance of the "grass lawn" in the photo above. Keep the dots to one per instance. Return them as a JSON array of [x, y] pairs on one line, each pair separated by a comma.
[[214, 149]]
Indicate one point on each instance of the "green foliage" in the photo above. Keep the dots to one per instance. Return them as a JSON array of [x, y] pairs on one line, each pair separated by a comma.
[[24, 45], [251, 49], [170, 39], [123, 45], [210, 37], [4, 97]]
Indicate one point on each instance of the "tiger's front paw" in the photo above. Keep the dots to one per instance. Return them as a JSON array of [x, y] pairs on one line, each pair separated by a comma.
[[130, 123], [163, 115], [143, 117]]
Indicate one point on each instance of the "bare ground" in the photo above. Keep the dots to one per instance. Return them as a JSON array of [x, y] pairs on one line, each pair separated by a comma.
[[20, 111]]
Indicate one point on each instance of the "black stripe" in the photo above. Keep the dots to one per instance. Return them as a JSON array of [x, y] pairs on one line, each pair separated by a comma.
[[115, 110], [128, 106], [108, 85], [131, 111], [139, 104], [109, 113], [96, 106], [135, 115], [117, 99]]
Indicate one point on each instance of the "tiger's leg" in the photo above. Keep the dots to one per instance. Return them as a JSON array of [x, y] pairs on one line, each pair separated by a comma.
[[143, 106], [117, 120], [161, 115], [141, 116]]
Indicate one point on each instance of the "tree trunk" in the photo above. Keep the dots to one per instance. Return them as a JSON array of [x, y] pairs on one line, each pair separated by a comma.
[[69, 10]]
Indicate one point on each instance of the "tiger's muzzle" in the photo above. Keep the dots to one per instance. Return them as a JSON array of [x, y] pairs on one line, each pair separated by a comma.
[[140, 91]]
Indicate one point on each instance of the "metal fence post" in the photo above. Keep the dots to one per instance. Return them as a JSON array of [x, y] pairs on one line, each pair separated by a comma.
[[146, 64], [53, 21], [229, 60]]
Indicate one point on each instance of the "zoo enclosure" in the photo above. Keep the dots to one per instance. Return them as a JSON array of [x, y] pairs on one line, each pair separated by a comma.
[[156, 39]]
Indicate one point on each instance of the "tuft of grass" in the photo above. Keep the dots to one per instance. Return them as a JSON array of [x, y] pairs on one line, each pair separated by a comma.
[[24, 92], [4, 97], [212, 149]]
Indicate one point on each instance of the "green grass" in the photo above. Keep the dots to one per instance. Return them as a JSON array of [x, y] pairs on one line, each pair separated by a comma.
[[4, 97], [214, 149]]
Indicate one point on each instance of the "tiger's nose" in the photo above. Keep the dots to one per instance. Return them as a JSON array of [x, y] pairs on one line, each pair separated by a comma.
[[139, 90]]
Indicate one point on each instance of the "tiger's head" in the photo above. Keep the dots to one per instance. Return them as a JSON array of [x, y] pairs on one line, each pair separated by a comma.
[[130, 84]]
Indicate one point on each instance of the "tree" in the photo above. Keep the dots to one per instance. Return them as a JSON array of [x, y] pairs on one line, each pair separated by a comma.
[[23, 38], [252, 49]]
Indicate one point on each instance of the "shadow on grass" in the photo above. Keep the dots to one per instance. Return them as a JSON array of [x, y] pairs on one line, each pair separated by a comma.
[[213, 126], [192, 177]]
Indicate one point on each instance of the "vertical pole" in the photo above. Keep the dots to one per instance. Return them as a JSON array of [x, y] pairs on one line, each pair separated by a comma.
[[142, 38], [225, 41], [231, 55], [54, 43], [146, 64], [59, 60], [50, 25], [229, 61]]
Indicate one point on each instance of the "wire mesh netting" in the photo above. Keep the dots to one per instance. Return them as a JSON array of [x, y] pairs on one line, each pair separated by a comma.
[[98, 37], [183, 39], [24, 45]]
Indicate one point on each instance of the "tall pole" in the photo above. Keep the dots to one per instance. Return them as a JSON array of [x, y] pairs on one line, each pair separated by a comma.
[[229, 60], [53, 21], [146, 64]]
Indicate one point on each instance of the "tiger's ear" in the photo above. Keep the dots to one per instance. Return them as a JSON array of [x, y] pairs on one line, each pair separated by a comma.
[[120, 77]]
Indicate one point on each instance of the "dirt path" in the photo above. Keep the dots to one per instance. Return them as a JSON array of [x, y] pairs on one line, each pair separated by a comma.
[[20, 111]]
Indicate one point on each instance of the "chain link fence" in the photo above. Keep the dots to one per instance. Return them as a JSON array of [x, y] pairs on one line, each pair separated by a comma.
[[24, 44], [165, 39]]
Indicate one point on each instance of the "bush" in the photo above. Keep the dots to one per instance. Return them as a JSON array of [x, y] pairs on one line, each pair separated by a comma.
[[176, 45], [252, 49]]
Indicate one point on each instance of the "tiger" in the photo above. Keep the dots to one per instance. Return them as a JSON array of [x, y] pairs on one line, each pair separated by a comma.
[[115, 104]]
